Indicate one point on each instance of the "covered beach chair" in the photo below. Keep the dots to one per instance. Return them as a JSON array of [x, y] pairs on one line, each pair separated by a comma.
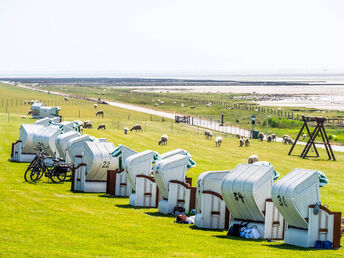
[[117, 181], [297, 197], [138, 167], [90, 170], [247, 194], [61, 142], [48, 121], [35, 107], [211, 209], [170, 176]]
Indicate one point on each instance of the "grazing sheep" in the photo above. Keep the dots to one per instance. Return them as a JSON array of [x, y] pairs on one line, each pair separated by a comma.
[[289, 141], [268, 138], [29, 113], [66, 98], [284, 137], [261, 136], [101, 126], [252, 159], [95, 105], [163, 140], [161, 102], [174, 103], [23, 117], [208, 134], [208, 105], [304, 136], [100, 112], [241, 142], [273, 137], [182, 105], [238, 135], [126, 130], [192, 107], [247, 142], [88, 124], [25, 102], [156, 104], [137, 127], [218, 141]]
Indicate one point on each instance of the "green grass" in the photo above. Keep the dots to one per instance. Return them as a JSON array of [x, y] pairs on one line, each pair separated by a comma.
[[47, 220], [236, 117]]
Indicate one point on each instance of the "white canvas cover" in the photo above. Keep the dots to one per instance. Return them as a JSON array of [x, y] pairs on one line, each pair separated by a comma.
[[48, 111], [246, 189], [209, 181], [46, 138], [61, 142], [98, 160], [211, 210], [293, 194], [47, 121], [35, 109], [75, 146], [26, 135], [138, 164], [172, 153], [171, 168]]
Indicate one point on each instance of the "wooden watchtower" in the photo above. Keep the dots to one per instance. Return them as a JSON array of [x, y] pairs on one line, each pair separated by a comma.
[[319, 128]]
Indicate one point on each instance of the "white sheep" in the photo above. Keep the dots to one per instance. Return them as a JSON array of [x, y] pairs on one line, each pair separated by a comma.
[[208, 134], [174, 102], [252, 159], [304, 136], [273, 137], [261, 136], [161, 102], [95, 105], [241, 142], [156, 104], [247, 142], [208, 105], [126, 130], [163, 140], [218, 141]]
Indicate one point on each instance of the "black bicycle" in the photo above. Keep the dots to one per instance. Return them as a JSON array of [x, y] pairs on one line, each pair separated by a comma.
[[57, 171]]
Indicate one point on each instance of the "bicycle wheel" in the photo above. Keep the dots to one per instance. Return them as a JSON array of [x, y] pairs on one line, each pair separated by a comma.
[[33, 162], [36, 174], [58, 176], [32, 173]]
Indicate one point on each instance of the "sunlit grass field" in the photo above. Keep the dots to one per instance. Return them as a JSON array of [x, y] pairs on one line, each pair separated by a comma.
[[48, 220]]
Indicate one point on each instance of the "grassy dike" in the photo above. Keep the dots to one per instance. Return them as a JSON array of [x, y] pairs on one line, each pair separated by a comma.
[[47, 220]]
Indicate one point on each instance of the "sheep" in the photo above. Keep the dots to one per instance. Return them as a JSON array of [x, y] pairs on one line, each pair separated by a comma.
[[23, 117], [161, 102], [29, 113], [247, 142], [66, 99], [192, 107], [126, 130], [174, 103], [25, 102], [273, 137], [100, 112], [156, 104], [261, 136], [268, 138], [182, 105], [163, 140], [252, 159], [88, 124], [241, 142], [284, 137], [304, 136], [208, 134], [208, 105], [136, 127], [218, 141], [95, 106], [238, 135], [289, 141], [101, 126]]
